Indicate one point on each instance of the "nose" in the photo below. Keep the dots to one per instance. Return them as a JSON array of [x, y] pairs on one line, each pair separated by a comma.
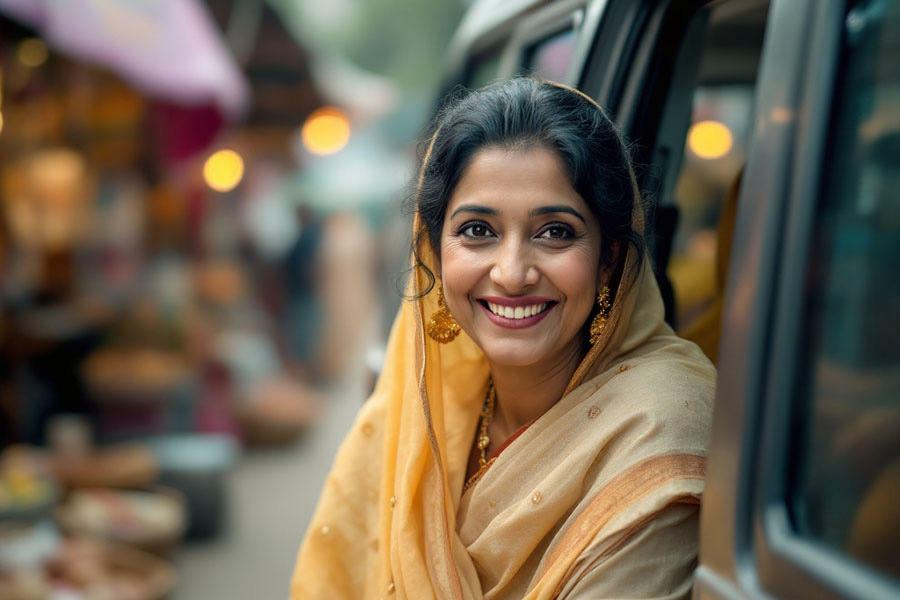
[[514, 269]]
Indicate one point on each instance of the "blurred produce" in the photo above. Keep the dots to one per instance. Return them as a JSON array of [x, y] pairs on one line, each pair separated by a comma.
[[92, 570], [37, 564], [25, 551], [77, 463], [123, 466], [27, 491], [153, 521]]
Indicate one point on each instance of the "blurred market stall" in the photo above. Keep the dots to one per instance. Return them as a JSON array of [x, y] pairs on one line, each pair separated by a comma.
[[200, 217]]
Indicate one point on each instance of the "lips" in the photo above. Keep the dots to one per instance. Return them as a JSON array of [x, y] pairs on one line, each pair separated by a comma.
[[516, 313]]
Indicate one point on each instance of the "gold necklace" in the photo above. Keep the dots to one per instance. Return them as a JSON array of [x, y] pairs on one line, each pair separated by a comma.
[[487, 415], [484, 440]]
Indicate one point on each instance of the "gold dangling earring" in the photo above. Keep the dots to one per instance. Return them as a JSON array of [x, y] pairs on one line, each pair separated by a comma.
[[602, 316], [442, 327]]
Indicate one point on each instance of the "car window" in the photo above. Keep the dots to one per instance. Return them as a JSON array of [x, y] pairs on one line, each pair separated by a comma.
[[846, 493], [716, 145]]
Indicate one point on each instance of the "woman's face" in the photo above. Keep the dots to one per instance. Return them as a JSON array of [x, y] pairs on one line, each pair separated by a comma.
[[520, 258]]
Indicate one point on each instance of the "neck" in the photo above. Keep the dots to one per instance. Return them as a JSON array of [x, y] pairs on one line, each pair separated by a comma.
[[526, 393]]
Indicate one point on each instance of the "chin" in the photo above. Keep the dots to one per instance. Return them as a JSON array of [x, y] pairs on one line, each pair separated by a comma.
[[514, 355], [522, 353]]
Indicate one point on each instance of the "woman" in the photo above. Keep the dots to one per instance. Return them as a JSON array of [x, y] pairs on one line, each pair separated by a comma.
[[554, 448]]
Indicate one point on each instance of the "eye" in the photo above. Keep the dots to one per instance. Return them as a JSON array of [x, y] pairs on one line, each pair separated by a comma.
[[556, 231], [476, 230]]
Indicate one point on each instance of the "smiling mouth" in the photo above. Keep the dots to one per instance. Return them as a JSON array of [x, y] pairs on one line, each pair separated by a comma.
[[517, 312]]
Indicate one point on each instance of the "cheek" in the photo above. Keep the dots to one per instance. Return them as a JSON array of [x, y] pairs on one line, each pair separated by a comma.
[[459, 268], [576, 275]]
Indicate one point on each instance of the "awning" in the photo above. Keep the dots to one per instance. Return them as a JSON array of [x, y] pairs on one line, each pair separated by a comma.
[[170, 49]]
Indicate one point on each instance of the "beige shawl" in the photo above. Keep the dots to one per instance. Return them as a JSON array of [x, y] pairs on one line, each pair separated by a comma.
[[598, 498]]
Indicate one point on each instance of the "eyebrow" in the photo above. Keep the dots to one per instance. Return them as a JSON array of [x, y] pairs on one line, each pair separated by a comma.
[[548, 210], [474, 208], [543, 210]]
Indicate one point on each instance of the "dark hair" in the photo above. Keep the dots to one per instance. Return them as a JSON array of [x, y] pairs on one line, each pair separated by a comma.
[[519, 114]]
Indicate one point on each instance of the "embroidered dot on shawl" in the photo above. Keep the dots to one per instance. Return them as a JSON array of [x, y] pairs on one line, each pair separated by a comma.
[[492, 503], [623, 368], [594, 412], [391, 588], [393, 501], [536, 498], [368, 429], [325, 529]]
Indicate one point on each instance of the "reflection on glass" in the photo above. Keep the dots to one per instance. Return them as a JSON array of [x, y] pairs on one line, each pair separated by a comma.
[[706, 192], [848, 449]]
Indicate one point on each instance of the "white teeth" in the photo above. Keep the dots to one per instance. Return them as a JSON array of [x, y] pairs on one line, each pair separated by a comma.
[[519, 312]]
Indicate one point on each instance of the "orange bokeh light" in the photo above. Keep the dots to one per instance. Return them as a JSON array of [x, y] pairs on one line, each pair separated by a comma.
[[223, 170], [710, 139], [326, 131]]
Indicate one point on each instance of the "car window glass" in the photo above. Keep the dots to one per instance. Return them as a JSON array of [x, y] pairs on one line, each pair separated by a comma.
[[847, 442], [716, 146]]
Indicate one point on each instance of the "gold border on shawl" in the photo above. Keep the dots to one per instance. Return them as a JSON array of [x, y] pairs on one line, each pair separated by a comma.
[[628, 533], [624, 490], [687, 500]]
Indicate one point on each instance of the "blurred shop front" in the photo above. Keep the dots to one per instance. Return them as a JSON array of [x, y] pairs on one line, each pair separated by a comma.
[[175, 286]]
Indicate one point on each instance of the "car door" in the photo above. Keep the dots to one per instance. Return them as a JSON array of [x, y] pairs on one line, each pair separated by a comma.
[[804, 468]]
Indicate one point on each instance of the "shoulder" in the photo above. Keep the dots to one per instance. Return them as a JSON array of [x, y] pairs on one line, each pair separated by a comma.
[[668, 367], [661, 400]]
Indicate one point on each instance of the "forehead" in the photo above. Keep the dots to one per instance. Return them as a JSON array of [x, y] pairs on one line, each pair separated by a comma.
[[515, 180]]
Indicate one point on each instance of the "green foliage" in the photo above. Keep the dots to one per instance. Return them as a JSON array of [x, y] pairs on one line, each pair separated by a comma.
[[405, 40]]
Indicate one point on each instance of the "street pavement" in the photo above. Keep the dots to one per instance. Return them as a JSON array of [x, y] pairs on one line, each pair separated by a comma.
[[272, 496]]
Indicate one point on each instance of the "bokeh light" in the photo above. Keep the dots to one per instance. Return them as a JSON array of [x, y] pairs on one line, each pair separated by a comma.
[[710, 139], [32, 52], [223, 170], [326, 131]]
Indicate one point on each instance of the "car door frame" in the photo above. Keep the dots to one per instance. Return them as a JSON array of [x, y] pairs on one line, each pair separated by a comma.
[[748, 546]]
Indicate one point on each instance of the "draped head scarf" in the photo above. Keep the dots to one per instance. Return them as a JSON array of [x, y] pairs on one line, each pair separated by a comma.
[[625, 441]]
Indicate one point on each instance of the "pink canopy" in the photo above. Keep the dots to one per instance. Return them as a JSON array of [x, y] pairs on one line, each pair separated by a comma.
[[167, 48]]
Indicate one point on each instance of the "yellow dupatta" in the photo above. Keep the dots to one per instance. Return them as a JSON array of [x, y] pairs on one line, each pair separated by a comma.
[[626, 441]]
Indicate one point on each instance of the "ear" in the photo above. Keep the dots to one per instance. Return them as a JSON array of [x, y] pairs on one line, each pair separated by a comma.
[[608, 265]]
